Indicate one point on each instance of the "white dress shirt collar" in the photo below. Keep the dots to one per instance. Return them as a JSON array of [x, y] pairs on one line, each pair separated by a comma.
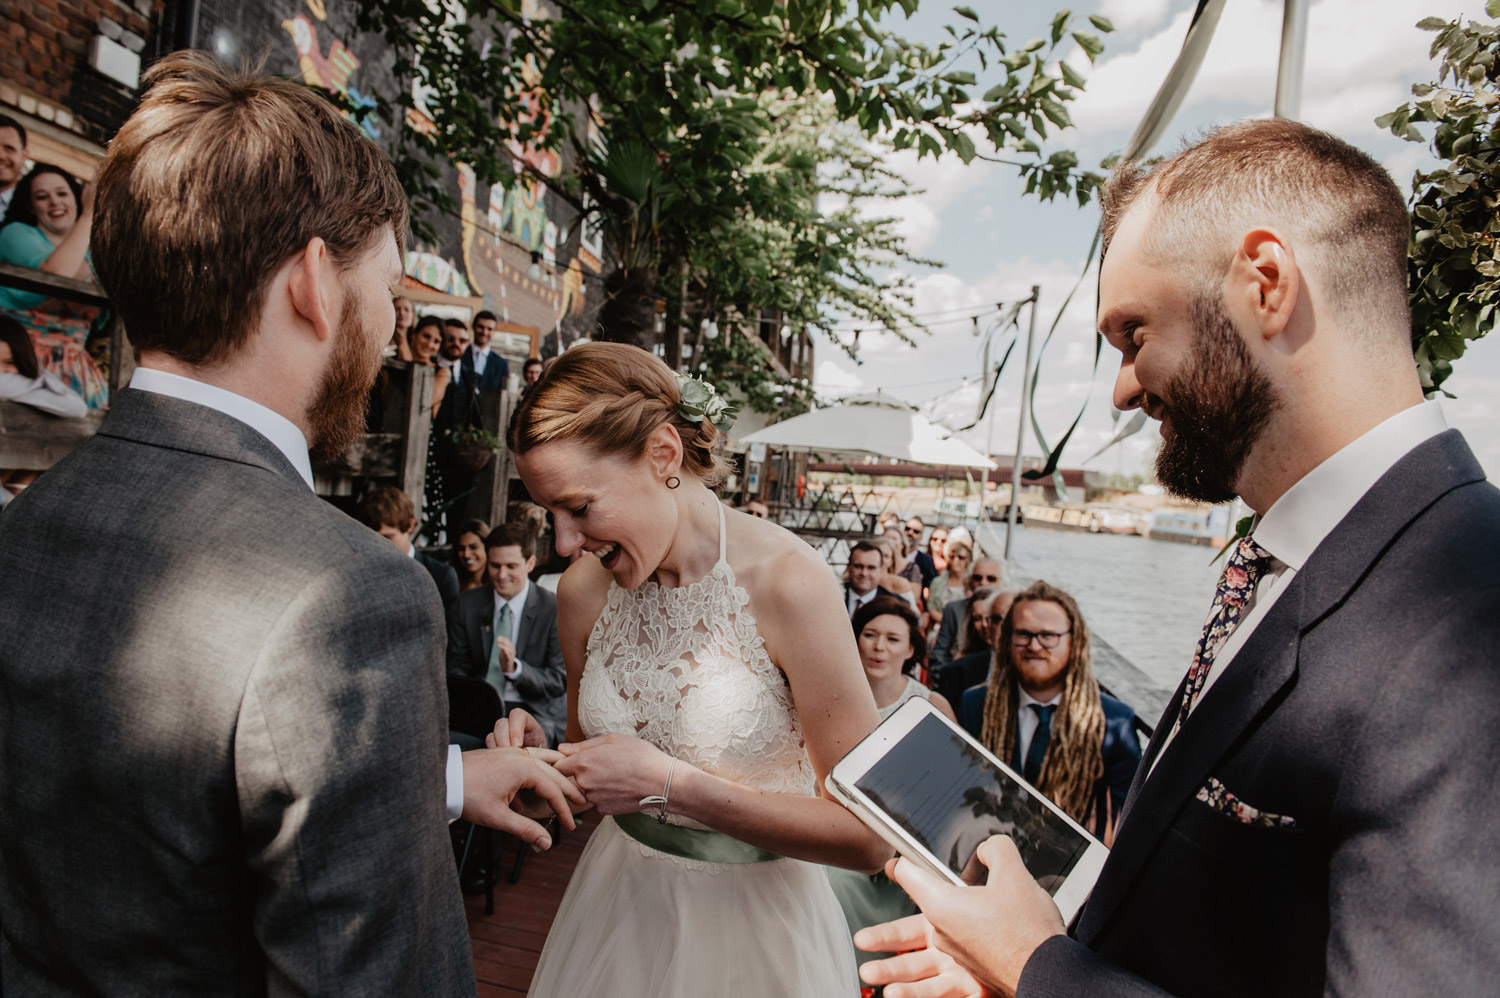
[[1307, 512], [1027, 699], [517, 604], [283, 434]]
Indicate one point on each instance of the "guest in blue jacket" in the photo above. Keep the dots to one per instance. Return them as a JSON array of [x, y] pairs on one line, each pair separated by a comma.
[[1044, 714]]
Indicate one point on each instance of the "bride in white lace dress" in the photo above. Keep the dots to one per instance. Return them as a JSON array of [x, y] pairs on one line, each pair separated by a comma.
[[710, 663]]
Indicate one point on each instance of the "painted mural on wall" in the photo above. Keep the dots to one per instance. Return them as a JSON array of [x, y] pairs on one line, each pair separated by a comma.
[[501, 231]]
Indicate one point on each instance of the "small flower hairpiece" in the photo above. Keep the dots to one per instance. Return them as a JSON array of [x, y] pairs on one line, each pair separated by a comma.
[[700, 401]]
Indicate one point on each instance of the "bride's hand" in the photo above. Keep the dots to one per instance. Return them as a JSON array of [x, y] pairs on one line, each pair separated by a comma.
[[615, 771]]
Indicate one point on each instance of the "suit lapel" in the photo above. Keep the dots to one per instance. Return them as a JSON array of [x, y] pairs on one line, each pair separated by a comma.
[[529, 614], [1252, 684], [485, 626]]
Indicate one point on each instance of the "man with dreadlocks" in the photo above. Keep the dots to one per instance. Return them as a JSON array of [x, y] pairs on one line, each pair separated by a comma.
[[1045, 715]]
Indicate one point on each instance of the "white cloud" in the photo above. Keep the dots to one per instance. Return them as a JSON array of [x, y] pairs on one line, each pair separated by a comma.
[[832, 378], [1132, 15], [1362, 57]]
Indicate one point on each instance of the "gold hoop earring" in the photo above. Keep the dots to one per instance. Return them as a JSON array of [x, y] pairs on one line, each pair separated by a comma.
[[673, 482]]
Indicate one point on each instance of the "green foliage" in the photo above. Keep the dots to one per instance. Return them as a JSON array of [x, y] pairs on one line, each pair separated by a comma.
[[1454, 276], [740, 364], [718, 125], [475, 436]]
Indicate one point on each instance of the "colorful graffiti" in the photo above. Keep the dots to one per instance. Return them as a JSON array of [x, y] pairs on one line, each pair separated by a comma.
[[435, 272], [330, 72]]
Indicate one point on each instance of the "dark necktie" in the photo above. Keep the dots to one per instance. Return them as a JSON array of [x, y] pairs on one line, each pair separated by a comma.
[[1039, 741], [1247, 563]]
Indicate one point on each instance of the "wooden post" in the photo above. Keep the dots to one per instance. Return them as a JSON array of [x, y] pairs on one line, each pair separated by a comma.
[[418, 428]]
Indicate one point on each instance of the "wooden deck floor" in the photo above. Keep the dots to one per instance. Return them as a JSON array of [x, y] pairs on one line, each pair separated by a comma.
[[507, 944]]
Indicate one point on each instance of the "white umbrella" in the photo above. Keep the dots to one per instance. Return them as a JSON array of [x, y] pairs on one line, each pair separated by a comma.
[[871, 424]]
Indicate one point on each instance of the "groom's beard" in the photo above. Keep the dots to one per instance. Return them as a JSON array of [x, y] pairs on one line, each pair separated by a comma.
[[1219, 404], [337, 416]]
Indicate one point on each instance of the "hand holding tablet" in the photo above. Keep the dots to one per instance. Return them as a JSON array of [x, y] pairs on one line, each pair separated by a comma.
[[934, 793]]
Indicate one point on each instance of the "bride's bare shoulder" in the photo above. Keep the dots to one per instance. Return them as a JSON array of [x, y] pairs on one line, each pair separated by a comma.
[[767, 556], [583, 589]]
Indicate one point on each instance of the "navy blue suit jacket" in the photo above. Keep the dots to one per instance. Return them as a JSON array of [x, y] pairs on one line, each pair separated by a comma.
[[1121, 748], [1358, 721], [496, 368]]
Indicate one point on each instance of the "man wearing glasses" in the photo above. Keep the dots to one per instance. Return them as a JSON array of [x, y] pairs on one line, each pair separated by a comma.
[[985, 572]]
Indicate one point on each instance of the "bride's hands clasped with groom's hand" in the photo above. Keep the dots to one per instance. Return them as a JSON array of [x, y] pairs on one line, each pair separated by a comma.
[[511, 784], [616, 771]]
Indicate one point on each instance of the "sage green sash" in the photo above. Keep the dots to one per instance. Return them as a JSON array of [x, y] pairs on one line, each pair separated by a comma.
[[690, 843]]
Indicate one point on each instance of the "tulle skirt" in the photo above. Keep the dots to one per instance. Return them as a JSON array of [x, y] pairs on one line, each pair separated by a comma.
[[637, 923]]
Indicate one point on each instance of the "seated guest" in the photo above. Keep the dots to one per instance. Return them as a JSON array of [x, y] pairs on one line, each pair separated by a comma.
[[863, 576], [493, 368], [406, 318], [23, 381], [1046, 717], [890, 549], [506, 633], [47, 228], [758, 509], [987, 608], [955, 633], [389, 512], [949, 582], [890, 648], [468, 555]]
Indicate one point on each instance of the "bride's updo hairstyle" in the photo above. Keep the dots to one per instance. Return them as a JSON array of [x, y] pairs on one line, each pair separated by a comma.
[[611, 396]]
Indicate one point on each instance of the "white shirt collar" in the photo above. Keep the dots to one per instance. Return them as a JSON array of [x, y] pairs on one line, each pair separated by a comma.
[[517, 603], [284, 434], [1307, 512], [1027, 699], [411, 551], [480, 353]]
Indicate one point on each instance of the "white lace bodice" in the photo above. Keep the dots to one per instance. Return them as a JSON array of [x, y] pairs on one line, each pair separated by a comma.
[[686, 669]]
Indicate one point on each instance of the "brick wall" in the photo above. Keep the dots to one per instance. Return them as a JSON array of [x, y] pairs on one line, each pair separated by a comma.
[[44, 59]]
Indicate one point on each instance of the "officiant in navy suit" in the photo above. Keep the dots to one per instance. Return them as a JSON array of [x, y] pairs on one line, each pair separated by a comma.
[[1315, 814], [493, 368], [506, 632]]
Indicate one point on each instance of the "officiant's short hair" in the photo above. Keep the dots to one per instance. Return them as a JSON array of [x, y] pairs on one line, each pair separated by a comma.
[[512, 532]]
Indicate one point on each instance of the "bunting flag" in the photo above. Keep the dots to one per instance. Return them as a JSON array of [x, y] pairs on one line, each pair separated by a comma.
[[1153, 125]]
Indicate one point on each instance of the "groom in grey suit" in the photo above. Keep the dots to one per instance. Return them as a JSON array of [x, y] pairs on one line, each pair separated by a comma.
[[222, 711]]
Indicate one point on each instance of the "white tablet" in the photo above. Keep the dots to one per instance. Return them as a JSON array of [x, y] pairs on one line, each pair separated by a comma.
[[934, 793]]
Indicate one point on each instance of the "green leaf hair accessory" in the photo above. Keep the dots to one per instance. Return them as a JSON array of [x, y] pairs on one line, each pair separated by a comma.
[[700, 401]]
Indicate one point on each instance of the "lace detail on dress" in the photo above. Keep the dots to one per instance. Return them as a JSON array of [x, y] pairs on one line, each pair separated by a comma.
[[686, 669]]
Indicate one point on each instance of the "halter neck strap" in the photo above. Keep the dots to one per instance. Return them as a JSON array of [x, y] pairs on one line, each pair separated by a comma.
[[722, 532]]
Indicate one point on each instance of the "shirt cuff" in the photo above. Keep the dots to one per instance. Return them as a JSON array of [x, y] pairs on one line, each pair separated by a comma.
[[517, 672], [455, 782]]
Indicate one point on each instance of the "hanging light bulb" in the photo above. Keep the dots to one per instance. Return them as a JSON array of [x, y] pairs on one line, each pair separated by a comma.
[[786, 333], [710, 329], [534, 272]]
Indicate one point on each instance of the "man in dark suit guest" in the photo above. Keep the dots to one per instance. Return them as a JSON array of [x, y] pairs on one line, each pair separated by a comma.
[[493, 368], [1042, 711], [506, 632], [390, 513], [987, 608], [956, 617], [866, 566], [259, 806], [1315, 812], [919, 569]]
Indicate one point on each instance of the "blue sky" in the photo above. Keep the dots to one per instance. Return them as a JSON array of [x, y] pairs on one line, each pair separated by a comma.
[[1362, 57]]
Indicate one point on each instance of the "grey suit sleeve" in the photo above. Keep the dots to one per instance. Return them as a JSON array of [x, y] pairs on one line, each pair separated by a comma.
[[942, 647], [458, 642], [548, 678], [339, 763]]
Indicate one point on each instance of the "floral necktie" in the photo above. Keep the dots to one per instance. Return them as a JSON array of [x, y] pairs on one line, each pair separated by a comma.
[[1247, 562]]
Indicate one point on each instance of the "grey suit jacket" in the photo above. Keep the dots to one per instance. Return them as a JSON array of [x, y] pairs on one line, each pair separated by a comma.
[[1361, 711], [543, 682], [947, 634], [222, 730]]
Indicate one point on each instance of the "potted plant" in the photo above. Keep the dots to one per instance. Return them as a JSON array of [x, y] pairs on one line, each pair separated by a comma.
[[472, 447]]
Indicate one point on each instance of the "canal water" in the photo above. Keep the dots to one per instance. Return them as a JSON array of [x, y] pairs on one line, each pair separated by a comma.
[[1146, 598]]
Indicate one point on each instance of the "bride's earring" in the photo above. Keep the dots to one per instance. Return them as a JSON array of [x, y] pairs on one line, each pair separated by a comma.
[[673, 482]]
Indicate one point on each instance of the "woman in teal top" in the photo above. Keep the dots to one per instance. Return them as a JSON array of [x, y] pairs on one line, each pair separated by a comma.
[[47, 228]]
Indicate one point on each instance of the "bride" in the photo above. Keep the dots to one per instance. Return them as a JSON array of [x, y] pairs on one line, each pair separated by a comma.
[[712, 683]]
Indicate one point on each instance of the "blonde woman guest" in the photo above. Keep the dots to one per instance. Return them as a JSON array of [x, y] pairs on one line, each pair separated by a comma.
[[696, 641], [890, 550], [956, 556], [406, 317]]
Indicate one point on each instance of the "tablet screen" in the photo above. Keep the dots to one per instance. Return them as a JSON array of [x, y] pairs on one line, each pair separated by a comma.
[[950, 798]]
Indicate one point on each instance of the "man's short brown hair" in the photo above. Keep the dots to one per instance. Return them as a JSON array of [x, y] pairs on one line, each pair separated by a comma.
[[510, 532], [387, 506], [1335, 204], [217, 179]]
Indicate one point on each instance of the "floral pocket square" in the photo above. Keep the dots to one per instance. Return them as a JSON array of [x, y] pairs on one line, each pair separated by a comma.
[[1217, 796]]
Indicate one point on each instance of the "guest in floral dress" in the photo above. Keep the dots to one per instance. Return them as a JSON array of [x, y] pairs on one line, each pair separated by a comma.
[[47, 228]]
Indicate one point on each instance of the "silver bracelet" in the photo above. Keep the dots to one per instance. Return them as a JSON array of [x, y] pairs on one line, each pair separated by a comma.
[[660, 801]]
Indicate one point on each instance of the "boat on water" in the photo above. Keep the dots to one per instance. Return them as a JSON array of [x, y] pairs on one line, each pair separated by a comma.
[[1208, 527], [1093, 518]]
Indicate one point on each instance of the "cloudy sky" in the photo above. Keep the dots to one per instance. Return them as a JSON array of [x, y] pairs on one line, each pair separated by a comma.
[[1362, 57]]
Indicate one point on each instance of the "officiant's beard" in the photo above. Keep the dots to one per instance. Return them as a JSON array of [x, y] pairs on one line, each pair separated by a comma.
[[1216, 409], [337, 416]]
